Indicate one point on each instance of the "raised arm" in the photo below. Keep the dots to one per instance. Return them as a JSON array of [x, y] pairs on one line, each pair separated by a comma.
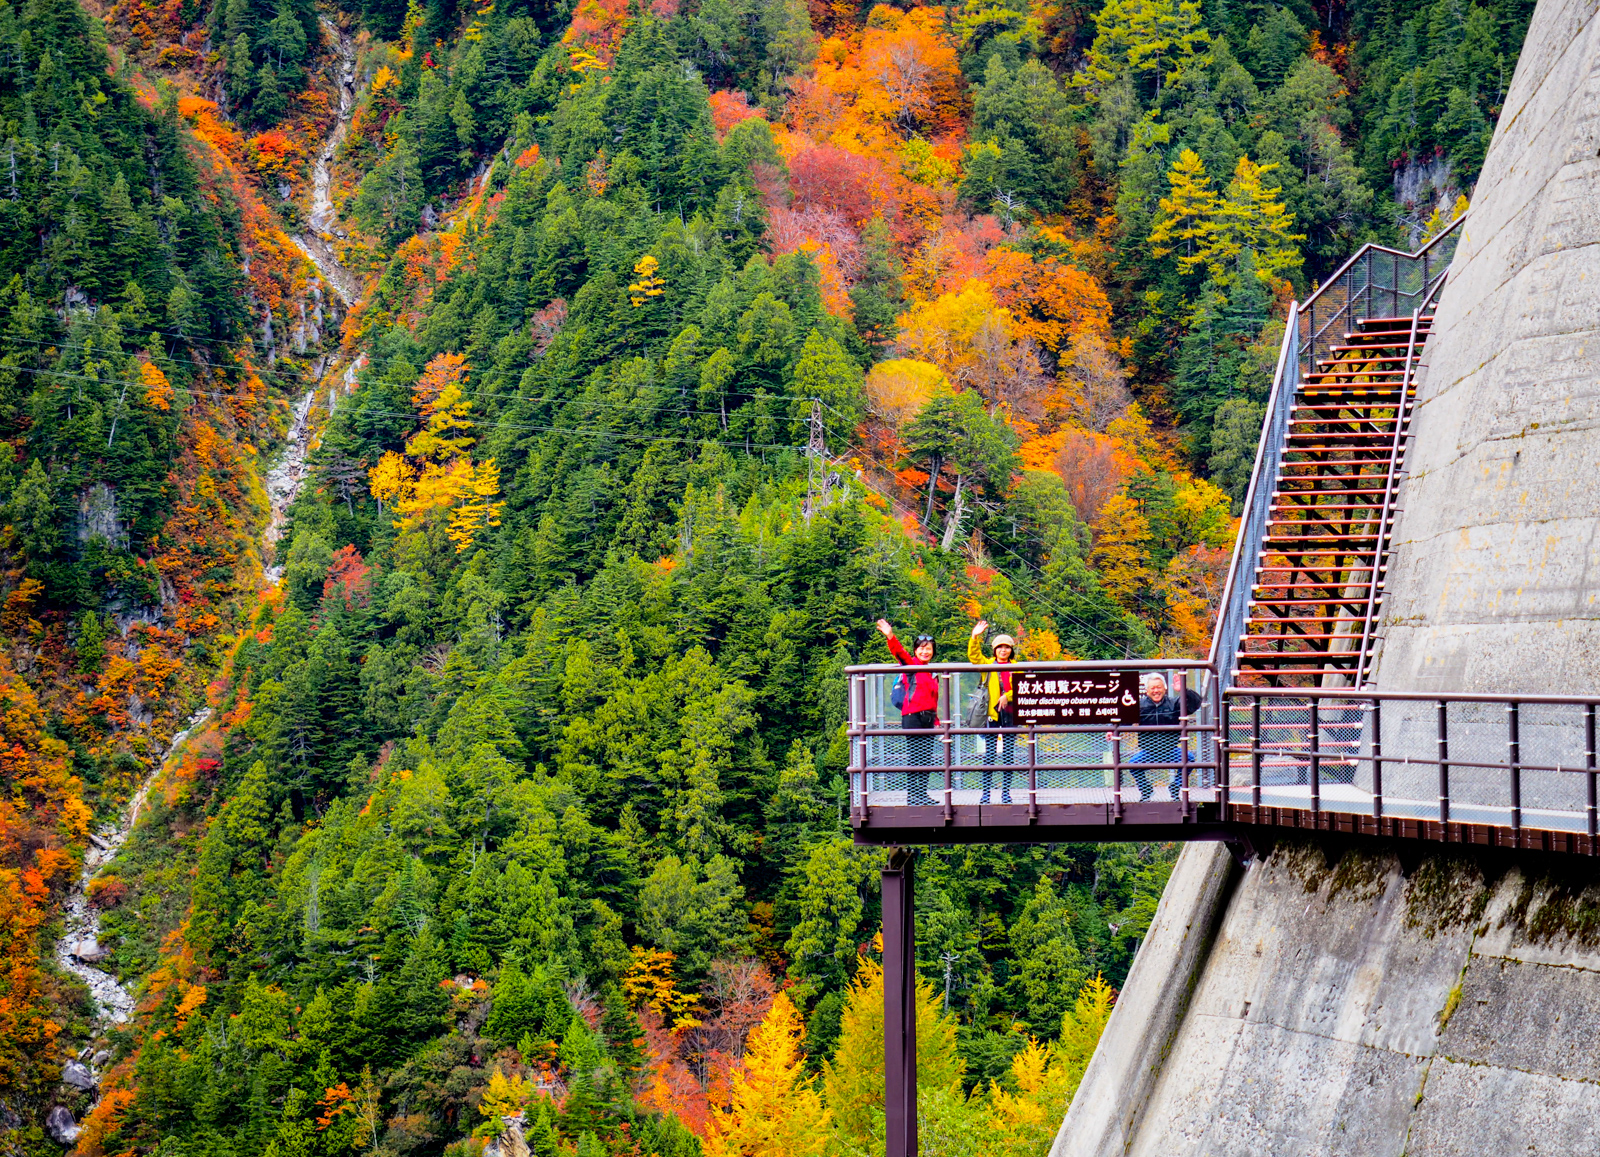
[[975, 643], [1188, 701], [895, 648]]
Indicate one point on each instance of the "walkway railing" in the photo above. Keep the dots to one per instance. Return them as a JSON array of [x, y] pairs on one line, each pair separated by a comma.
[[1376, 282], [1512, 770], [1512, 762]]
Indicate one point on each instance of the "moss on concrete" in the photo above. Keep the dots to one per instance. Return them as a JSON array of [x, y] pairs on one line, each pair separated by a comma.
[[1561, 903], [1446, 891]]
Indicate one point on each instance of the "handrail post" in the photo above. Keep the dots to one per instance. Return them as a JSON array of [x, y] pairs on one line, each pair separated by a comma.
[[1515, 721], [1221, 745], [1444, 762], [1589, 762], [1033, 772], [949, 812], [1255, 752], [1316, 756], [1376, 706], [949, 741], [1183, 759], [1116, 769], [858, 748]]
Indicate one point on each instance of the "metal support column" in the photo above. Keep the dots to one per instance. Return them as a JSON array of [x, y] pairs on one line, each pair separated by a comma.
[[1255, 752], [1316, 756], [1592, 811], [1515, 745], [1376, 707], [899, 1006], [1444, 762]]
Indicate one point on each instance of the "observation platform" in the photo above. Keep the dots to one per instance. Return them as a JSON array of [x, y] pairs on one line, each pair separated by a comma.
[[1492, 771]]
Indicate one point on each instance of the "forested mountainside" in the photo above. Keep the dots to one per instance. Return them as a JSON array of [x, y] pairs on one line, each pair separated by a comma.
[[416, 401]]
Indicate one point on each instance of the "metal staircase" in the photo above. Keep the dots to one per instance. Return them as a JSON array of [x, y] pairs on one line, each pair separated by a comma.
[[1306, 589], [1319, 580]]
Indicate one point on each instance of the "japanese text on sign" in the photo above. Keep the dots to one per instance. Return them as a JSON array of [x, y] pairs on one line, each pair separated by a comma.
[[1093, 697]]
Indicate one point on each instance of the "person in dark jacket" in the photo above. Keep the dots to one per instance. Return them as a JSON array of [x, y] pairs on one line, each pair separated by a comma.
[[920, 710], [1159, 709]]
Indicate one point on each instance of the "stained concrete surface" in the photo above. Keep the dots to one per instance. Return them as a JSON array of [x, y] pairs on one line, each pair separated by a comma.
[[1494, 579], [1352, 1004]]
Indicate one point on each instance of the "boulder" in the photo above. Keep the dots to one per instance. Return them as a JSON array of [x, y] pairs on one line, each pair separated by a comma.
[[89, 951], [78, 1076], [101, 1057], [60, 1125]]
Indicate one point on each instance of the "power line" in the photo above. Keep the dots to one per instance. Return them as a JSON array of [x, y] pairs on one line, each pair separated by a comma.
[[551, 399], [763, 394], [494, 423]]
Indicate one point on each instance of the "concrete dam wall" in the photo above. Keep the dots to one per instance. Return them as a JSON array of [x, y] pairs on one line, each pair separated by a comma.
[[1369, 999], [1494, 574], [1340, 1000]]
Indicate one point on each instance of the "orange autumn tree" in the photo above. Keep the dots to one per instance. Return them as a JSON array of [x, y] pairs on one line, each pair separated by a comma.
[[42, 819], [1051, 300], [436, 483], [899, 80]]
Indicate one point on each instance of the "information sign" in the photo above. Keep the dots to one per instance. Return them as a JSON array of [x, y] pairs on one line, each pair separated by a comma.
[[1094, 697]]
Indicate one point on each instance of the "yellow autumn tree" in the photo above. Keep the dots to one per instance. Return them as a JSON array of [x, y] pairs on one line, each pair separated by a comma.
[[648, 285], [774, 1111], [1186, 214], [945, 330], [1044, 1077], [852, 1081], [505, 1095], [900, 387], [1436, 222], [649, 983], [391, 478], [1081, 1027], [1251, 215], [1121, 553], [446, 414], [435, 483]]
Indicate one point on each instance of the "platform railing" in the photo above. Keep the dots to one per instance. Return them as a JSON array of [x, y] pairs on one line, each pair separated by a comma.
[[1513, 762], [955, 765]]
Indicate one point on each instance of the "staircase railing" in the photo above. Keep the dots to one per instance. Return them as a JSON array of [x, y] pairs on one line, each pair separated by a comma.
[[1235, 605], [1376, 282]]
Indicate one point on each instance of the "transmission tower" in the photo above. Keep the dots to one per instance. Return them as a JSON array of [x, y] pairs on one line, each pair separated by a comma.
[[817, 472]]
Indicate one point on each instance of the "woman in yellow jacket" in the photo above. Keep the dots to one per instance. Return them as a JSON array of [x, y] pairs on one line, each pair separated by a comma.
[[1002, 708]]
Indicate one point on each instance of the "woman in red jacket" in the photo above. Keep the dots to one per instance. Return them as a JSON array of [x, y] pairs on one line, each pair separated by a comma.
[[920, 710]]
